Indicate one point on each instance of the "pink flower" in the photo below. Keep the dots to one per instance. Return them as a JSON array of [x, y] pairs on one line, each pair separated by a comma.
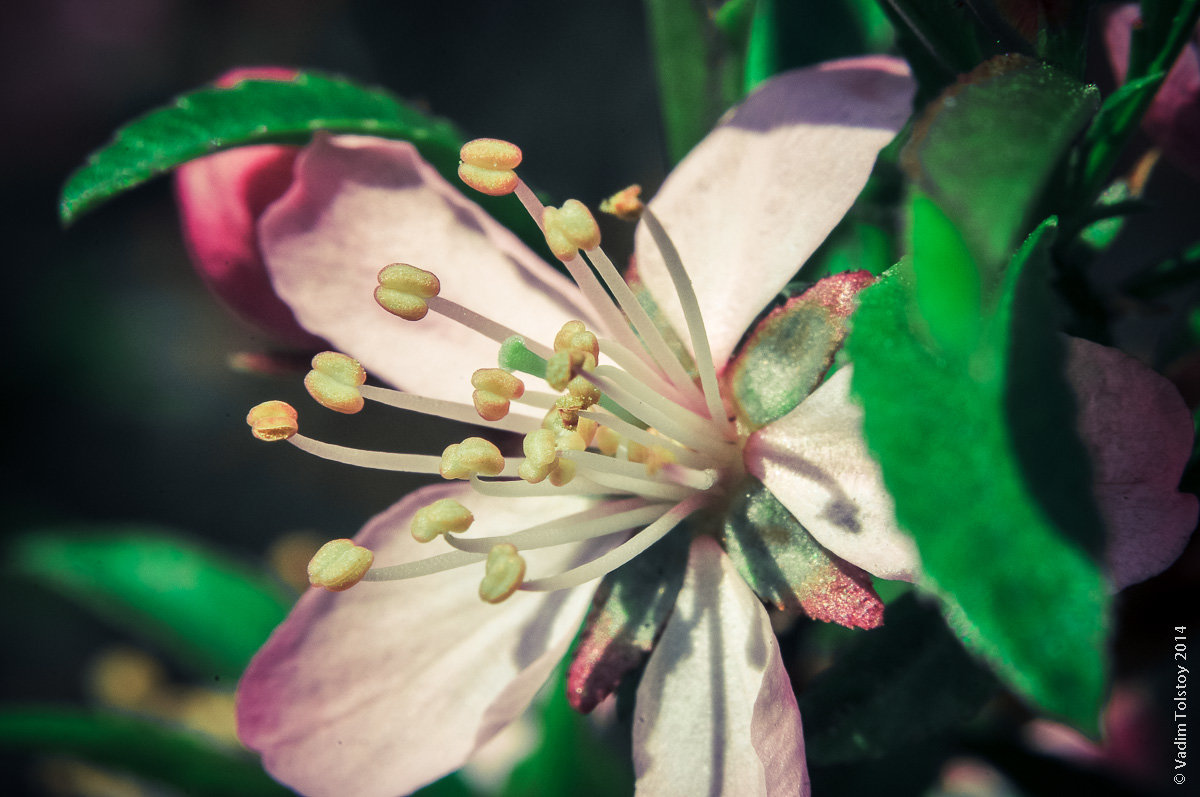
[[220, 199], [388, 685]]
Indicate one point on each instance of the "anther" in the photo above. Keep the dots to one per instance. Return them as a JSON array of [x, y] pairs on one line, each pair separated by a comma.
[[440, 517], [606, 440], [487, 166], [503, 574], [541, 456], [569, 229], [494, 389], [574, 336], [626, 204], [339, 565], [273, 420], [472, 457], [653, 457], [560, 419], [334, 382], [403, 290]]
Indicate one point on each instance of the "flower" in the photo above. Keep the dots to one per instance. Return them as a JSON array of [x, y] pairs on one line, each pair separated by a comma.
[[379, 688]]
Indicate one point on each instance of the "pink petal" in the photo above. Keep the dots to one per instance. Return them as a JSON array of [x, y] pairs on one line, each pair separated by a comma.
[[1139, 434], [220, 198], [749, 205], [816, 462], [388, 686], [715, 709], [358, 204]]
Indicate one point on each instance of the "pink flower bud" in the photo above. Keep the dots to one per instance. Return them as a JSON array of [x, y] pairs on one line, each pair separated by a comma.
[[220, 199]]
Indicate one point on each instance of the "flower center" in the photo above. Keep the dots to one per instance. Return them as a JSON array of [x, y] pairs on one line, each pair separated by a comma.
[[625, 421]]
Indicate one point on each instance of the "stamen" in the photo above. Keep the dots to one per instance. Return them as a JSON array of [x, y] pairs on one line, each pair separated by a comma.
[[638, 485], [591, 288], [451, 410], [404, 290], [483, 325], [608, 518], [569, 229], [614, 424], [487, 165], [626, 204], [633, 364], [339, 565], [424, 567], [334, 382], [695, 322], [440, 517], [376, 460], [494, 390], [691, 432], [518, 488], [677, 474], [610, 561], [272, 421], [472, 457], [651, 338], [505, 570]]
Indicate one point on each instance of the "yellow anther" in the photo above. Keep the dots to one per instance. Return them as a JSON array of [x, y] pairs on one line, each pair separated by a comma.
[[273, 420], [403, 290], [472, 457], [570, 228], [487, 165], [563, 366], [626, 204], [441, 516], [607, 441], [541, 456], [339, 565], [584, 392], [504, 572], [558, 420], [654, 457], [563, 470], [574, 336], [334, 382], [494, 389]]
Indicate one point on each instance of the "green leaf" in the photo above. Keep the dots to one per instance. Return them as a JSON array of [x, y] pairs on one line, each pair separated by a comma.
[[947, 282], [252, 112], [700, 62], [140, 747], [985, 150], [261, 112], [978, 450], [1166, 28], [208, 611], [894, 686], [787, 35]]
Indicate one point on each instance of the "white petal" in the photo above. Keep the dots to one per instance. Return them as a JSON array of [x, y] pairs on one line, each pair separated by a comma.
[[388, 686], [358, 204], [815, 461], [749, 205], [715, 709]]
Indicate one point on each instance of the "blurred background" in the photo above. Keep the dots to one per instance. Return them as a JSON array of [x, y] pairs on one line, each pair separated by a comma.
[[125, 413]]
